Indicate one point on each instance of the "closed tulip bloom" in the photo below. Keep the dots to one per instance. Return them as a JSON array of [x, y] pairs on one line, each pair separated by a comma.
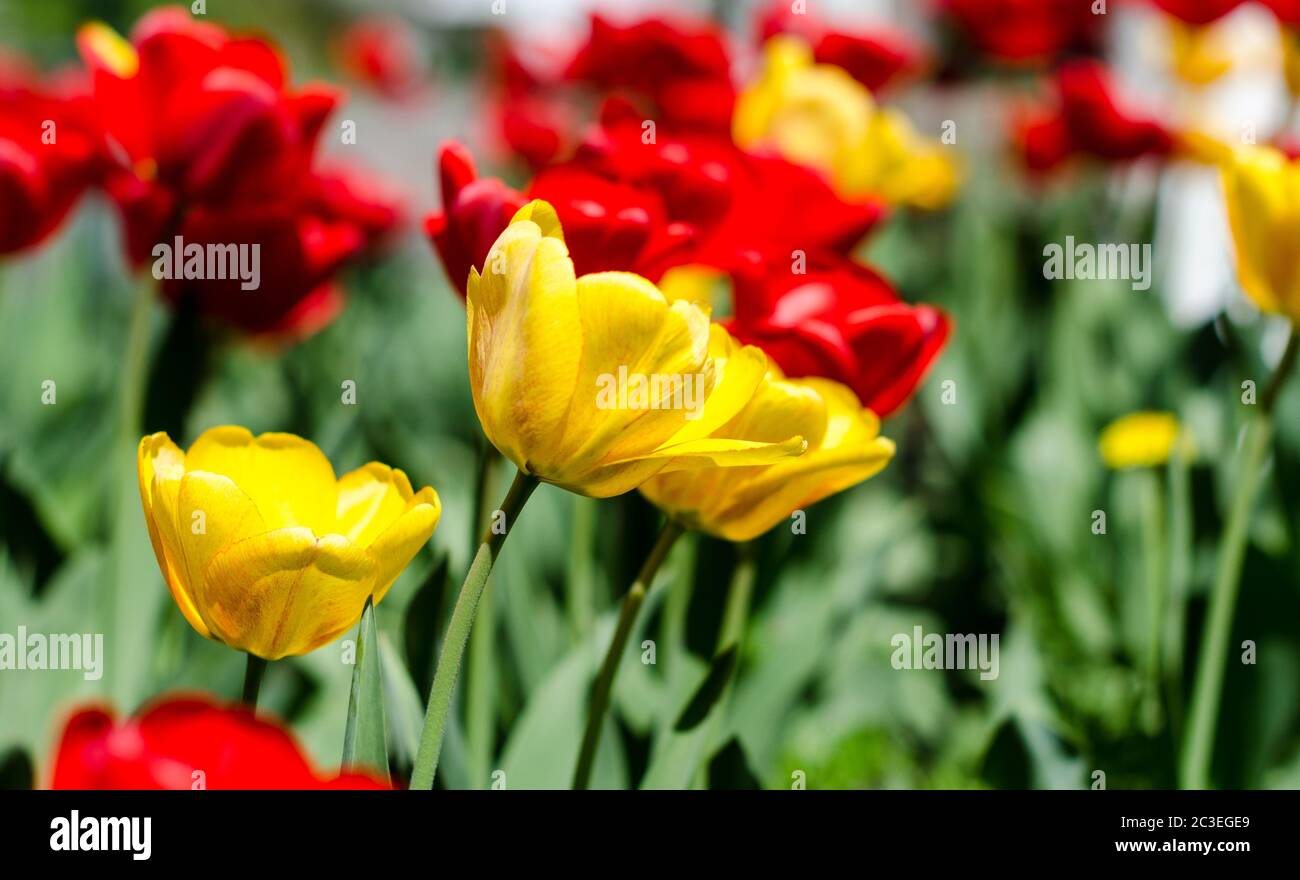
[[1140, 439], [547, 348], [262, 547], [1262, 191], [844, 448]]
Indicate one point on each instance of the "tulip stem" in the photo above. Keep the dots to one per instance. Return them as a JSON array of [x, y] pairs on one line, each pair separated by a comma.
[[462, 620], [480, 672], [253, 673], [627, 614], [1198, 747]]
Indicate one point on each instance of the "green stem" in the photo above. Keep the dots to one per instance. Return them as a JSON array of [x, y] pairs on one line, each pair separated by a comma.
[[462, 620], [480, 676], [1198, 747], [627, 614], [580, 593], [1180, 566], [253, 673], [1157, 582], [123, 613]]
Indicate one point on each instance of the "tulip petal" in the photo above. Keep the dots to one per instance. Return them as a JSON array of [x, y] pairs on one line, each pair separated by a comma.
[[288, 478], [211, 513], [158, 459], [371, 498], [523, 329], [286, 591], [629, 329], [397, 545]]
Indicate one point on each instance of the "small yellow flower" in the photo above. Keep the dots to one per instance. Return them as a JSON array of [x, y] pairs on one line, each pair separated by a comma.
[[598, 383], [1141, 439], [819, 116], [263, 549], [844, 448], [1262, 192]]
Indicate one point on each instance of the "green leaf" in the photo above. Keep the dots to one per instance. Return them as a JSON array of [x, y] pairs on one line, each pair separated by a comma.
[[709, 691], [365, 741]]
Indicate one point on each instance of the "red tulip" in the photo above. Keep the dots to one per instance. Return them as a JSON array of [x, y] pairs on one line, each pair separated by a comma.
[[1021, 31], [48, 156], [186, 742], [382, 52], [683, 68], [1198, 12], [1286, 11], [474, 212], [610, 225], [877, 57], [1089, 119], [843, 321], [213, 146]]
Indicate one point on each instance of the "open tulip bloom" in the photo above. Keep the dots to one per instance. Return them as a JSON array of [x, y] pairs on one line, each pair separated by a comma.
[[262, 547], [595, 384]]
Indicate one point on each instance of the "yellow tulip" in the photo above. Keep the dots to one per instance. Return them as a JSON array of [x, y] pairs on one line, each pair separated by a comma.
[[1197, 53], [844, 448], [1291, 59], [903, 168], [1262, 192], [819, 116], [263, 549], [1141, 439], [813, 114], [551, 354]]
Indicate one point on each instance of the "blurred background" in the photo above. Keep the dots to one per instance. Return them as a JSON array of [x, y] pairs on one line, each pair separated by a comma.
[[982, 524]]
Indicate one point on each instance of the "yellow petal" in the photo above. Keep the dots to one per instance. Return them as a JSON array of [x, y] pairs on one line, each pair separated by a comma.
[[210, 513], [397, 545], [289, 479], [1262, 193], [524, 337], [371, 498], [630, 330], [741, 503], [157, 456], [287, 592]]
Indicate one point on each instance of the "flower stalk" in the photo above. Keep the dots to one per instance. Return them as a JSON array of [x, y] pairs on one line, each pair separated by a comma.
[[627, 615], [1198, 747], [458, 630]]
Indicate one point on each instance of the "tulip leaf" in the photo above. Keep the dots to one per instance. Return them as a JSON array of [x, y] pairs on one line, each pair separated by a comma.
[[365, 743], [707, 694]]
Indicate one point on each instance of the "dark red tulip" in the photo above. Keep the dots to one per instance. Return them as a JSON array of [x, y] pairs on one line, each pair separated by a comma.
[[1199, 12], [48, 155], [683, 68], [211, 144], [876, 56], [474, 212], [187, 742], [610, 225], [1024, 31], [843, 321], [1088, 119]]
